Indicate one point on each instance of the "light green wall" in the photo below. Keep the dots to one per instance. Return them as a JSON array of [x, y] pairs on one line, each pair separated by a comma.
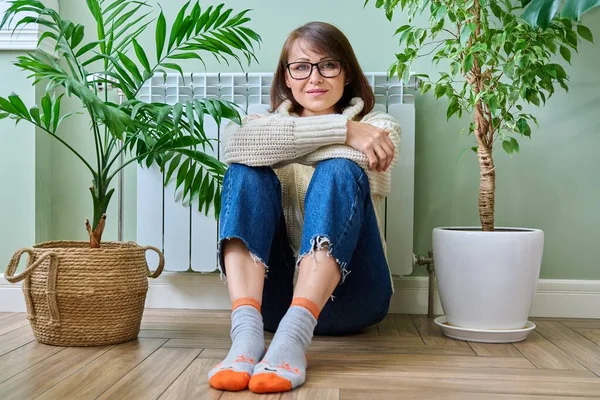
[[551, 185], [17, 167]]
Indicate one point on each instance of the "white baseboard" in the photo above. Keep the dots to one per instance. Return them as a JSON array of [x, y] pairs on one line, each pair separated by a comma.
[[554, 297]]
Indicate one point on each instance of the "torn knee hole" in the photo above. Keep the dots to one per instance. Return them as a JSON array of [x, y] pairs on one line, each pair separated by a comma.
[[323, 243]]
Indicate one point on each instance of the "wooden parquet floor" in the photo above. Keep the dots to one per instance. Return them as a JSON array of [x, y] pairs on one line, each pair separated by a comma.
[[403, 357]]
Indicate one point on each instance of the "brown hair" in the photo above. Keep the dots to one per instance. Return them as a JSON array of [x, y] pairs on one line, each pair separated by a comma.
[[326, 39]]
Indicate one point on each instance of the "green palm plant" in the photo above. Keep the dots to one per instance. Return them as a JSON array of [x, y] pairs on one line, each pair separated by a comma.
[[170, 135]]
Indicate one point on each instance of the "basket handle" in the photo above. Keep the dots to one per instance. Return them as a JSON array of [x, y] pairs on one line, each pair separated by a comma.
[[161, 262], [32, 264]]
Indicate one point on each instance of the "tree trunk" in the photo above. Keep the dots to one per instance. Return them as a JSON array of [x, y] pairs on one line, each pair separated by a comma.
[[96, 234], [100, 198], [487, 188], [487, 170]]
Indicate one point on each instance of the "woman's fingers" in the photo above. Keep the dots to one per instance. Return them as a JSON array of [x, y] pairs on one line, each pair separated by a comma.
[[389, 147], [382, 158], [373, 161], [372, 141]]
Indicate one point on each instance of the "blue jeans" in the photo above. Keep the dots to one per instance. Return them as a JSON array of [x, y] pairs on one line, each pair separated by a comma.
[[339, 213]]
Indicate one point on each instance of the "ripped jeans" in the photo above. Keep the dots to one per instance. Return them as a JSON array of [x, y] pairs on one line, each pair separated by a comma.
[[338, 211]]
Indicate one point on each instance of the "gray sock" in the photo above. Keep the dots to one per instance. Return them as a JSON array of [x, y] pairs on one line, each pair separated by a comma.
[[247, 348], [284, 366]]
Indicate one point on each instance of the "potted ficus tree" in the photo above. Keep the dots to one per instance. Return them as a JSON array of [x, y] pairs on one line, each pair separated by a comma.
[[84, 293], [491, 64]]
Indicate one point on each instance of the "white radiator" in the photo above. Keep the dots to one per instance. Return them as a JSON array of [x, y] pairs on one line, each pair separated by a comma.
[[189, 239]]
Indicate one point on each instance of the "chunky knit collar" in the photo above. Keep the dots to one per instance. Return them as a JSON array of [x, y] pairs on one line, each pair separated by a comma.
[[354, 107]]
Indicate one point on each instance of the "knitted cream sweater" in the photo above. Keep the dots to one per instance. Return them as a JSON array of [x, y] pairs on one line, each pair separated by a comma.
[[293, 146]]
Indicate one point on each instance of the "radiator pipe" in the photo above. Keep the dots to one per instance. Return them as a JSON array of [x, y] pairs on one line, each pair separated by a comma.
[[429, 264]]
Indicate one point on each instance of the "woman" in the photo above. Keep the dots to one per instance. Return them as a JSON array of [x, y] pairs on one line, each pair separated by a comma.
[[303, 190]]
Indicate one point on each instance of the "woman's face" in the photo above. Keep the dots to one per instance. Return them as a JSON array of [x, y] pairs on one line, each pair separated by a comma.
[[317, 94]]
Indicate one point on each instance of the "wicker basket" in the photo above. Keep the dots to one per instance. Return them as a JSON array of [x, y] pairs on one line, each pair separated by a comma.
[[79, 296]]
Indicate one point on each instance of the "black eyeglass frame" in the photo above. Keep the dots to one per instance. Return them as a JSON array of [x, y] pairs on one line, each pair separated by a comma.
[[312, 66]]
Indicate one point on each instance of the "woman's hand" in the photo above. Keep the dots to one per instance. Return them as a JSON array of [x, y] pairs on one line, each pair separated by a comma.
[[372, 142]]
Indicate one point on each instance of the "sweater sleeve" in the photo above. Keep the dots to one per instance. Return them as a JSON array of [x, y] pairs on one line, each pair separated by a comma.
[[276, 139], [380, 181]]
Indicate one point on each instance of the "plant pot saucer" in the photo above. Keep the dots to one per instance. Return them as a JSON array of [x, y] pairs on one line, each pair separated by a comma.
[[484, 335]]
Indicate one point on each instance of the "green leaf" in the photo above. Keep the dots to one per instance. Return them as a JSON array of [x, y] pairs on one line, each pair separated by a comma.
[[95, 8], [496, 10], [130, 65], [565, 53], [115, 25], [176, 27], [402, 29], [47, 108], [119, 3], [160, 36], [172, 167], [189, 178], [574, 9], [77, 36], [523, 127], [184, 56], [189, 112], [250, 33], [441, 12], [439, 91], [209, 198], [453, 107], [532, 96], [202, 20], [515, 144], [454, 68], [539, 13], [493, 104], [85, 49], [177, 112], [136, 109], [213, 109], [45, 35], [93, 59], [18, 104], [162, 114], [56, 113], [507, 146], [173, 66], [195, 187], [222, 18], [199, 107], [425, 87], [572, 38], [214, 16], [181, 174], [141, 55], [468, 64], [35, 114], [465, 34], [585, 33]]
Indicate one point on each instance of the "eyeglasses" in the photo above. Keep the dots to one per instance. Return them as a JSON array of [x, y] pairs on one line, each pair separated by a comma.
[[327, 69]]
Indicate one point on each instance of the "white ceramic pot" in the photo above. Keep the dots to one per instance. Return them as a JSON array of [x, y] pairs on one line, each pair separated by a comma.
[[487, 280]]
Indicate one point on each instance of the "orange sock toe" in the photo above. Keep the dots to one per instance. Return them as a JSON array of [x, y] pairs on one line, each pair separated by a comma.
[[269, 383], [232, 381]]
